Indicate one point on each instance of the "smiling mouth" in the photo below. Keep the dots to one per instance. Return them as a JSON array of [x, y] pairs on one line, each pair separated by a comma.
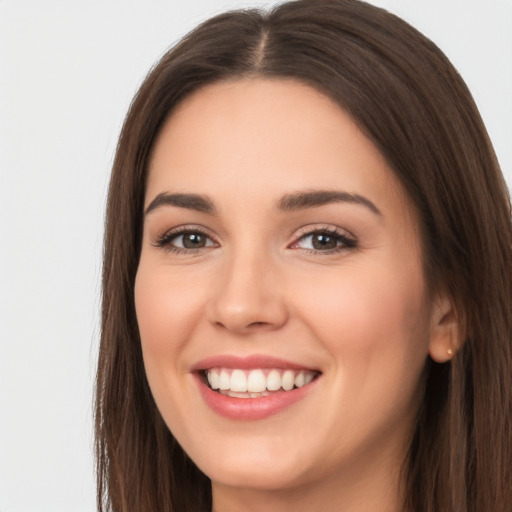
[[256, 383]]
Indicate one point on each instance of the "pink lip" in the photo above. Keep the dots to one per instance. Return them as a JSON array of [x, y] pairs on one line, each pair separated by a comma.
[[248, 408], [246, 363]]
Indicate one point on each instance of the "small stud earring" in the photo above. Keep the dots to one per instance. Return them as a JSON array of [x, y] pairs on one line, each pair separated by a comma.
[[449, 351]]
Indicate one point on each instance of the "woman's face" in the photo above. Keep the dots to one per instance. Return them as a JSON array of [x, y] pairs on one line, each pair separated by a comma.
[[280, 255]]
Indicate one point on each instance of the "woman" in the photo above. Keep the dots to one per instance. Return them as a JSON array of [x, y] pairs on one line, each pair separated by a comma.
[[307, 276]]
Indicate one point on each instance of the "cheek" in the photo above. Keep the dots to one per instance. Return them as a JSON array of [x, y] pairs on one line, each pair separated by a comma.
[[375, 330], [369, 316], [168, 306]]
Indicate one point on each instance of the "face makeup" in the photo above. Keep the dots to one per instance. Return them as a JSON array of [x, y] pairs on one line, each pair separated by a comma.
[[280, 293]]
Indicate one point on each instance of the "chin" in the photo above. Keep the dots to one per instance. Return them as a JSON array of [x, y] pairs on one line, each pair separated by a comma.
[[254, 470], [263, 479]]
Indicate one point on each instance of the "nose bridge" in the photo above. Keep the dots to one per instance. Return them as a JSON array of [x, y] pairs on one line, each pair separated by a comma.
[[247, 295]]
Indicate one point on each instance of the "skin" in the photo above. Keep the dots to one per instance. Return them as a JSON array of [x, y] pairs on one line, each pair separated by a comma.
[[360, 315]]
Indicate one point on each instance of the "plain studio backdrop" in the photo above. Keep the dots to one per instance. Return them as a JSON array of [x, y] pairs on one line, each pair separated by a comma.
[[68, 71]]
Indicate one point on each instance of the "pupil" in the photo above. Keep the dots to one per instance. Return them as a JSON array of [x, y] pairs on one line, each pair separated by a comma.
[[194, 240], [324, 242]]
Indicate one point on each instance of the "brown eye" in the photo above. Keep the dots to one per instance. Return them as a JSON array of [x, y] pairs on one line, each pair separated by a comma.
[[322, 241], [325, 241], [192, 240], [185, 241]]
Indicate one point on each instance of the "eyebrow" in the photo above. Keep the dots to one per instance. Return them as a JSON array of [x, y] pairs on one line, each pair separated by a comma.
[[314, 198], [196, 202], [290, 202]]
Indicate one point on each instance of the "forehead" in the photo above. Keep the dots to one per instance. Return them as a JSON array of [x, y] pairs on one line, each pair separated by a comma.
[[260, 138]]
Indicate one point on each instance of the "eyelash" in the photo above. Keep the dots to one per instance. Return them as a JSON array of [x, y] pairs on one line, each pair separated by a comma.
[[165, 241], [346, 241]]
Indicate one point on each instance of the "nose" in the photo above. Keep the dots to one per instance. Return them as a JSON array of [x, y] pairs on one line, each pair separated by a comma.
[[249, 297]]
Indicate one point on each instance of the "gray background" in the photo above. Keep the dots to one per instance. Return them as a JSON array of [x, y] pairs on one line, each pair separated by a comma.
[[68, 70]]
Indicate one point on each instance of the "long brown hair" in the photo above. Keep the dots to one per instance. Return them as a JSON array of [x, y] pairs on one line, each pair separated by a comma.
[[409, 100]]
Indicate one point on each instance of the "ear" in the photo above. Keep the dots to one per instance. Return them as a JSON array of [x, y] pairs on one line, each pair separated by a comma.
[[446, 332]]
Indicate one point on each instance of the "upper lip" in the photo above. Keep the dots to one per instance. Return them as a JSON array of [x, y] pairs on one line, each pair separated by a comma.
[[247, 363]]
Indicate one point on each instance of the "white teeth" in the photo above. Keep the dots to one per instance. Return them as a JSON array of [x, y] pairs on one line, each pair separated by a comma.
[[224, 380], [299, 380], [236, 394], [256, 381], [253, 383], [213, 379], [238, 381], [273, 380], [288, 380]]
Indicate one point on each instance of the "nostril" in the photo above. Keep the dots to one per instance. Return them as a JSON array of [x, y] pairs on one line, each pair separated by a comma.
[[249, 316], [252, 325]]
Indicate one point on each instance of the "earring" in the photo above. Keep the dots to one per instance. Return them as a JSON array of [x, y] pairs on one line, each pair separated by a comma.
[[449, 351]]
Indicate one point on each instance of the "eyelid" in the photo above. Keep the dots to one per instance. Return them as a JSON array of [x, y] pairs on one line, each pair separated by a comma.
[[325, 228], [163, 241], [348, 239]]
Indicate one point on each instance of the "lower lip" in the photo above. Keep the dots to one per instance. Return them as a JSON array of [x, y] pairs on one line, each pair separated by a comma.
[[251, 408]]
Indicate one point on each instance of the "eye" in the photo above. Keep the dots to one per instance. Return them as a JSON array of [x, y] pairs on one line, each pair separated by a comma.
[[185, 241], [191, 240], [325, 241]]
